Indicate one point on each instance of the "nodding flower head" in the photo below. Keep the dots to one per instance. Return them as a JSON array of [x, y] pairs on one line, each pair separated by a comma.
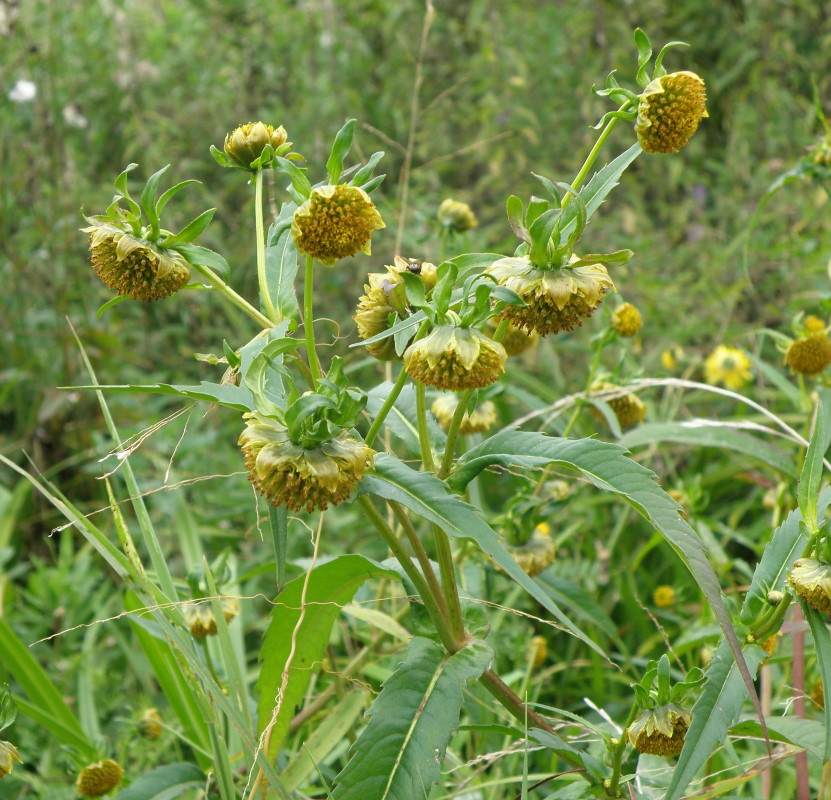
[[660, 731], [335, 222], [669, 111], [809, 355], [628, 408], [455, 358], [481, 419], [811, 580], [98, 779], [8, 756], [627, 320], [456, 216]]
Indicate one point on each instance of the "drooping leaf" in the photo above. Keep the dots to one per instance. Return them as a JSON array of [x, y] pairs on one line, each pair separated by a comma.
[[228, 395], [430, 499], [716, 710], [198, 255], [330, 586], [164, 783], [808, 734], [608, 468], [709, 433], [398, 756]]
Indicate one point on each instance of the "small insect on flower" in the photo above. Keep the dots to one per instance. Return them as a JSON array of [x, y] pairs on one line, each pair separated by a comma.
[[98, 779], [728, 366], [335, 222], [669, 111]]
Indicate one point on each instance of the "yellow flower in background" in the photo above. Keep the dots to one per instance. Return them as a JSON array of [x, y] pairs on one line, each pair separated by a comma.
[[482, 417], [627, 320], [99, 778], [456, 216], [671, 358], [664, 597], [538, 651], [728, 366], [813, 324]]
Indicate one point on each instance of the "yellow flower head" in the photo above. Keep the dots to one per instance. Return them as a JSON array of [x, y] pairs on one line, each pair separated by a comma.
[[335, 222], [98, 779], [538, 651], [669, 111], [555, 299], [383, 298], [8, 755], [813, 324], [457, 216], [247, 142], [200, 619], [728, 366], [627, 320], [811, 580], [296, 477], [134, 267], [150, 724], [809, 355], [516, 340], [481, 419], [664, 597], [660, 731], [628, 408], [455, 358], [671, 357]]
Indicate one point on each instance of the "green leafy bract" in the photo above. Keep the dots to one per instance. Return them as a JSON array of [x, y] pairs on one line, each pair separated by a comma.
[[398, 756]]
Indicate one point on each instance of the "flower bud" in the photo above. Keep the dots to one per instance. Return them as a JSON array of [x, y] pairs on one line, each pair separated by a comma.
[[247, 142], [8, 755], [669, 111], [134, 267], [335, 222], [664, 597], [456, 216], [628, 408], [99, 778], [774, 598], [455, 358], [538, 651], [627, 320], [555, 299], [296, 477]]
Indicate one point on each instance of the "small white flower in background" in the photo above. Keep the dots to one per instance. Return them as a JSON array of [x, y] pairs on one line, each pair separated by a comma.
[[73, 117], [23, 91]]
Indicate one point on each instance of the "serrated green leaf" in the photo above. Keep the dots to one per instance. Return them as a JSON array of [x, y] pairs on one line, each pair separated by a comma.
[[807, 491], [164, 783], [710, 433], [608, 468], [717, 709], [809, 734], [430, 498], [822, 648], [330, 586], [402, 416], [228, 395], [398, 756], [597, 189]]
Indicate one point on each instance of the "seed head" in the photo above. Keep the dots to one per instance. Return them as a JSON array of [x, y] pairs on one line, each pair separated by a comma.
[[8, 755], [247, 142], [456, 216], [99, 778], [669, 111], [660, 731], [481, 419], [627, 320], [134, 267], [290, 475], [809, 355], [555, 299], [455, 358], [335, 222]]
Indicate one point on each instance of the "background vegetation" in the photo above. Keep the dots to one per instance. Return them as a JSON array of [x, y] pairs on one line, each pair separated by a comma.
[[505, 92]]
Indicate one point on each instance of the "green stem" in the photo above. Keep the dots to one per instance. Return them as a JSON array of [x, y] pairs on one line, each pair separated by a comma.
[[770, 623], [229, 294], [309, 318], [375, 428], [602, 342], [453, 432], [423, 433], [265, 296], [444, 555], [412, 572], [617, 755], [594, 152]]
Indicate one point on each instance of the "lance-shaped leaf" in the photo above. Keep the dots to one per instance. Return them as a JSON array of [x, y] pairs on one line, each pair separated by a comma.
[[822, 647], [164, 783], [429, 497], [237, 397], [608, 468], [398, 756], [281, 264], [328, 588]]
